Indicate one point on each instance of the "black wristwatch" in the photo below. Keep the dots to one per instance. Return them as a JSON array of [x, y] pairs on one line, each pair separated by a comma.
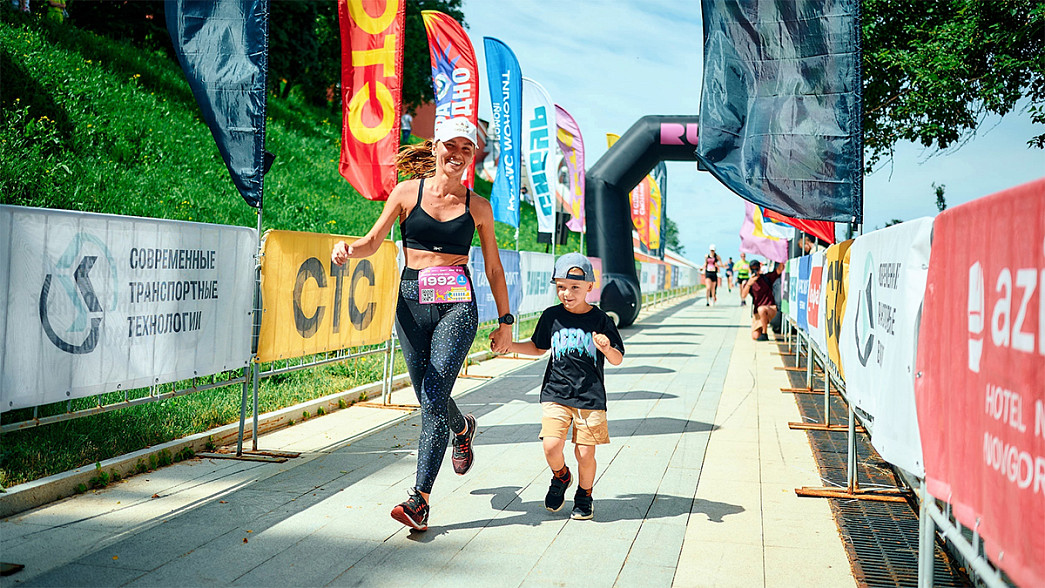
[[507, 319]]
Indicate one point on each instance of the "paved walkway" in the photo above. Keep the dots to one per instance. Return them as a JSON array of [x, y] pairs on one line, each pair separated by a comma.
[[696, 489]]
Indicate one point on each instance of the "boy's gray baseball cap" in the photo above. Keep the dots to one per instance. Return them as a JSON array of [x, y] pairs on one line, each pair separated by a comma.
[[564, 264]]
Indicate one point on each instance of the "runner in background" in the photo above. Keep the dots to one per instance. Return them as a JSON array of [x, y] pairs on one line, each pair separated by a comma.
[[729, 274], [712, 262], [743, 273], [437, 316]]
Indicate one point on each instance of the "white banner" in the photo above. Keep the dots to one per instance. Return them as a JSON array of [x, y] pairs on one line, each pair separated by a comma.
[[815, 303], [538, 291], [887, 274], [94, 303]]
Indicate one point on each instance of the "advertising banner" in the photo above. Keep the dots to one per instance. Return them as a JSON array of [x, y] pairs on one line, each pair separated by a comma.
[[814, 302], [792, 288], [538, 291], [483, 293], [538, 151], [879, 335], [571, 145], [455, 75], [596, 292], [313, 306], [805, 265], [372, 103], [505, 79], [785, 287], [981, 362], [94, 303], [836, 278]]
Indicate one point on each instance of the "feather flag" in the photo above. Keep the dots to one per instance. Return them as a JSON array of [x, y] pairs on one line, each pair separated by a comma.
[[505, 78], [538, 147], [372, 82], [455, 75], [750, 242], [571, 144], [223, 50]]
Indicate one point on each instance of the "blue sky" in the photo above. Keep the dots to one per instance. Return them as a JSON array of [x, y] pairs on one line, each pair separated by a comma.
[[611, 62]]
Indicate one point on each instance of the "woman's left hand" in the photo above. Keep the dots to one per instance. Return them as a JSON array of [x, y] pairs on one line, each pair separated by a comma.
[[501, 339]]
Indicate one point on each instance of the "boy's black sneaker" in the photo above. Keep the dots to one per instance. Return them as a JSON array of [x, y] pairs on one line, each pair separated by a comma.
[[462, 456], [414, 512], [557, 491], [583, 505]]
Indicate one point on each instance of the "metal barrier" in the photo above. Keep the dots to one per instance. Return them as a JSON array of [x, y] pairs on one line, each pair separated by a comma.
[[930, 518]]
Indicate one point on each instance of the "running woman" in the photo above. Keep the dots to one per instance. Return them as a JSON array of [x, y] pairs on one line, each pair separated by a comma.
[[729, 274], [438, 216], [711, 264]]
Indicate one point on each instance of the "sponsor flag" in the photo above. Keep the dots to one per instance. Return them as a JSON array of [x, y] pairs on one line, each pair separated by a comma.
[[538, 147], [455, 75], [223, 49], [774, 228], [780, 112], [768, 247], [372, 82], [658, 209], [836, 266], [823, 230], [505, 78], [639, 198], [981, 362], [571, 191]]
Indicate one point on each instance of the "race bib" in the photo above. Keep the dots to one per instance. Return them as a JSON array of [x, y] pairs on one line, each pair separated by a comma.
[[443, 284]]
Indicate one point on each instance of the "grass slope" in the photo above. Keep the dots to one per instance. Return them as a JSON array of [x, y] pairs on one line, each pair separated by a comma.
[[93, 124]]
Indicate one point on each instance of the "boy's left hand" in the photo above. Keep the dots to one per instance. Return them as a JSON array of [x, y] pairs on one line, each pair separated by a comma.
[[602, 342]]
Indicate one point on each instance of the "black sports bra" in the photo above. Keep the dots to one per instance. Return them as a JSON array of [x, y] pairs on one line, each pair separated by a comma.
[[421, 231]]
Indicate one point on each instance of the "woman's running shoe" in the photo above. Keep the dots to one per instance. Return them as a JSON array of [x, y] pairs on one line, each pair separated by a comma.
[[463, 456], [414, 512]]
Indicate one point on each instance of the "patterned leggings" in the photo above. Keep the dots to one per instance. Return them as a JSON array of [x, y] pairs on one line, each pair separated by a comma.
[[435, 339]]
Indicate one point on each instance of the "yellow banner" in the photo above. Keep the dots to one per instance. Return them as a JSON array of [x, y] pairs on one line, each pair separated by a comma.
[[836, 264], [311, 306]]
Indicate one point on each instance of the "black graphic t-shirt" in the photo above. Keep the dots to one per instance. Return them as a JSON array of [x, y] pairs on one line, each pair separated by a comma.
[[575, 370]]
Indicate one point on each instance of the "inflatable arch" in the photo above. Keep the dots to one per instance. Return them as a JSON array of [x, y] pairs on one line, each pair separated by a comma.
[[650, 140]]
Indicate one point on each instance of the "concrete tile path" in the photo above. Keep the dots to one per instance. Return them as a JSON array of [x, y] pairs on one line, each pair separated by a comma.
[[696, 489]]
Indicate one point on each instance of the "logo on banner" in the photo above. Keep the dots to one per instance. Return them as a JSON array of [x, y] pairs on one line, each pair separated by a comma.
[[312, 269], [73, 322], [975, 316], [834, 280], [815, 284], [442, 86], [864, 330]]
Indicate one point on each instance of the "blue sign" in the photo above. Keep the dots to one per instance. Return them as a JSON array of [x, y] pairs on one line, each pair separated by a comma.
[[483, 294]]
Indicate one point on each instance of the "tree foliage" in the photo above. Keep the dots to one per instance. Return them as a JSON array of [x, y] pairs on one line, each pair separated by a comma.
[[304, 42], [934, 69]]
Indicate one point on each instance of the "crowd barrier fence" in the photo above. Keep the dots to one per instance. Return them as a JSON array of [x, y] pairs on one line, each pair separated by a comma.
[[933, 333]]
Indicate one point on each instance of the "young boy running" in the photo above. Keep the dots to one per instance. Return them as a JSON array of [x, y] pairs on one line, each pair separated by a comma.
[[581, 338]]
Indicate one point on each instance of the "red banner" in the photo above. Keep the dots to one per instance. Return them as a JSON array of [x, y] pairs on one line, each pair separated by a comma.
[[980, 384], [824, 230], [372, 81], [455, 75]]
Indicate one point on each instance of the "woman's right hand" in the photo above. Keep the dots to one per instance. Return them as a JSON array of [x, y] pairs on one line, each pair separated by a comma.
[[342, 251]]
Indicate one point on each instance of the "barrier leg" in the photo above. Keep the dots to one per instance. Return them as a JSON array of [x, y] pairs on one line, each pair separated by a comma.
[[926, 541], [254, 432], [853, 482], [243, 411]]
